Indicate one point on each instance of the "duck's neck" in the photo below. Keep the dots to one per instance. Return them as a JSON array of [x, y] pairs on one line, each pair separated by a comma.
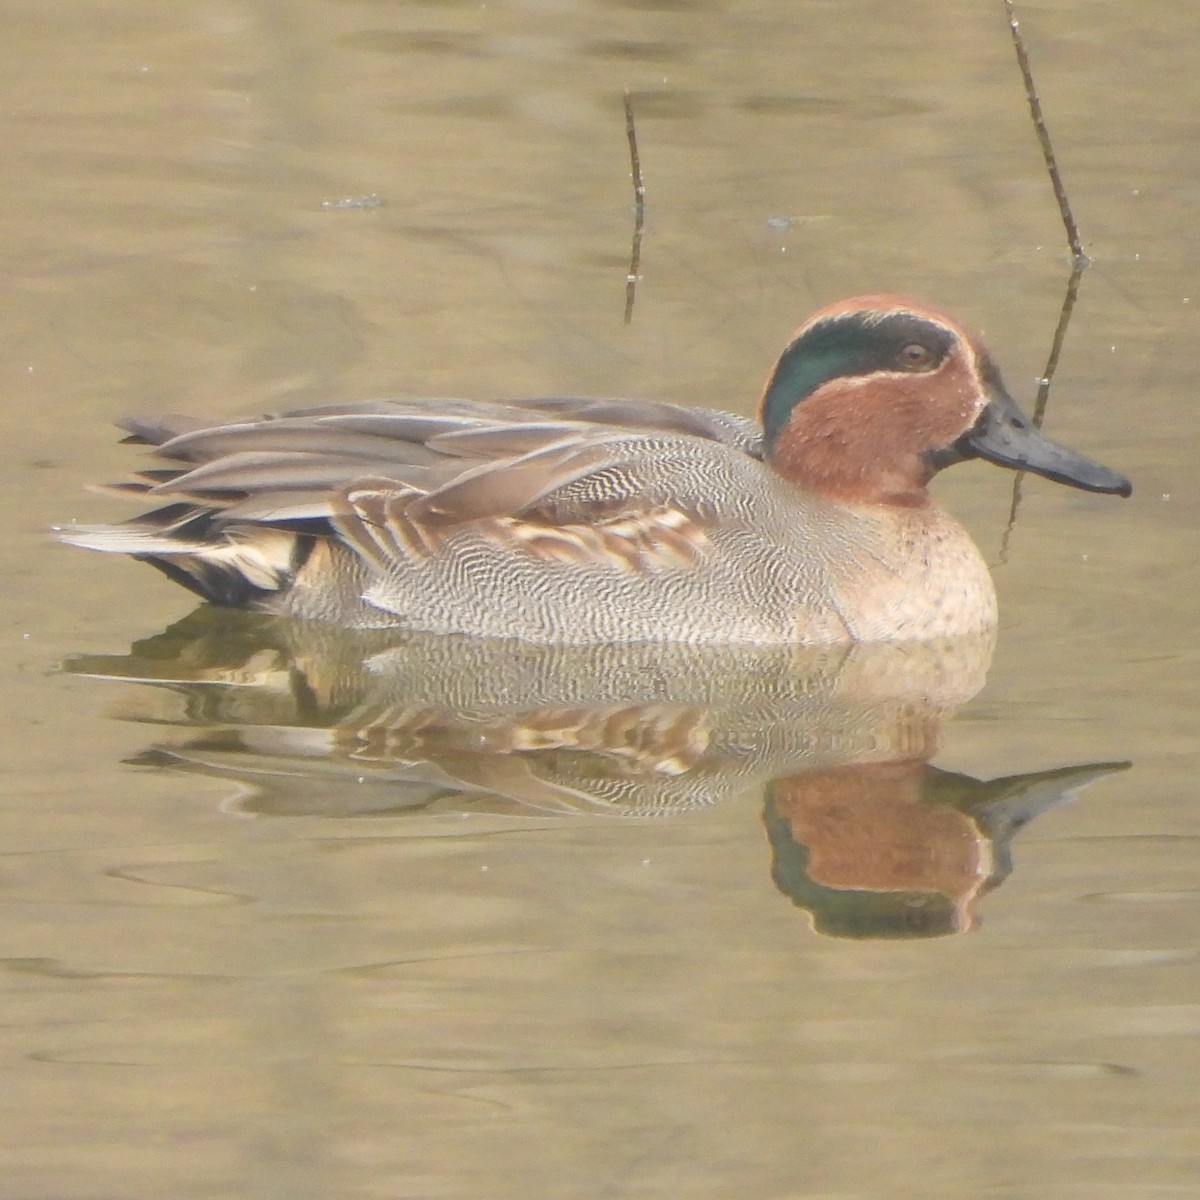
[[848, 461]]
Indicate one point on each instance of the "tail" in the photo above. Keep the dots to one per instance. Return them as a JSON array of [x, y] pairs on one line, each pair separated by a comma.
[[235, 565]]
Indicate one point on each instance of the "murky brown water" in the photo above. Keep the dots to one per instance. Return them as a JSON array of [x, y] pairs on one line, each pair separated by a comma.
[[231, 969]]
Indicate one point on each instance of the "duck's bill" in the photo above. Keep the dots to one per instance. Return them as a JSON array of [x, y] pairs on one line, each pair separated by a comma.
[[1005, 435]]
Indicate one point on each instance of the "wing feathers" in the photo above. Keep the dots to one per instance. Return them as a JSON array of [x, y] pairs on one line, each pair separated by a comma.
[[595, 484], [272, 471], [511, 485], [309, 437], [494, 441]]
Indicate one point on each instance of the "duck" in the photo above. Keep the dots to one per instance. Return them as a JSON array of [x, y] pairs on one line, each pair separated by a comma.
[[575, 520]]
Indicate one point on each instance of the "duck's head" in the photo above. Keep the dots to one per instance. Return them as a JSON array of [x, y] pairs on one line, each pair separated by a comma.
[[877, 394]]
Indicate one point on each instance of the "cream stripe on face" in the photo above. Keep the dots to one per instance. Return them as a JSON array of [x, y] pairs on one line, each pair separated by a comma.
[[959, 334]]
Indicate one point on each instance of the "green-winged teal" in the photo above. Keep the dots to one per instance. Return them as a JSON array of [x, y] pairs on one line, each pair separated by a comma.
[[583, 520]]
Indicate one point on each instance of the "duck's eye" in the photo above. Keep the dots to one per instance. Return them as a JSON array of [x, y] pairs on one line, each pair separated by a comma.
[[915, 357]]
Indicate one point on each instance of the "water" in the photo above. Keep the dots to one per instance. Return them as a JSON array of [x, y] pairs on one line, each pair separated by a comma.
[[231, 969]]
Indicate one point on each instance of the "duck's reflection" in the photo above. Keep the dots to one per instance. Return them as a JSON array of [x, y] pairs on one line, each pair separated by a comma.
[[866, 835], [903, 849]]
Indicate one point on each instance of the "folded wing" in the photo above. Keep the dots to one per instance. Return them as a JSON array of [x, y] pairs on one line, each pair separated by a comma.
[[608, 484]]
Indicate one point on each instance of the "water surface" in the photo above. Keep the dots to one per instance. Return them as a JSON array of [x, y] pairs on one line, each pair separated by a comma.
[[213, 988]]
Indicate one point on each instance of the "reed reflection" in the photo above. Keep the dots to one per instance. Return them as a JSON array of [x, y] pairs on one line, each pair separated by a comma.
[[865, 834]]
